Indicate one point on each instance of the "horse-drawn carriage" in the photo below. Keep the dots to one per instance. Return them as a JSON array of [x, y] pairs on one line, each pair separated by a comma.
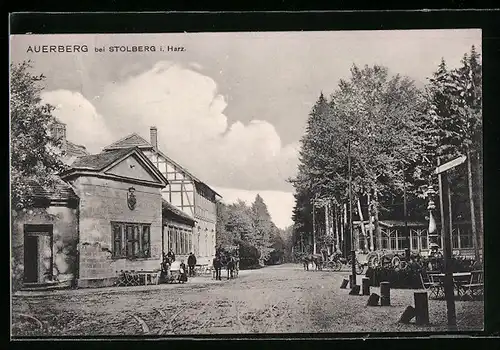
[[400, 260], [334, 261]]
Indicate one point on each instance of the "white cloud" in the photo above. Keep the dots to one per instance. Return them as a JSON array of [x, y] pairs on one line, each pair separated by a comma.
[[279, 204], [83, 124], [192, 129]]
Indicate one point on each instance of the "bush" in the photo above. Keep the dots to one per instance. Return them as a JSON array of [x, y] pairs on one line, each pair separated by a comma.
[[249, 255]]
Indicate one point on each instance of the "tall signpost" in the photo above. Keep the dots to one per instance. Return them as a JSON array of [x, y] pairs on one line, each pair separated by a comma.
[[446, 226], [351, 233]]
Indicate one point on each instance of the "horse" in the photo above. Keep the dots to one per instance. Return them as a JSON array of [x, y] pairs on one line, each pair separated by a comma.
[[231, 265], [317, 259]]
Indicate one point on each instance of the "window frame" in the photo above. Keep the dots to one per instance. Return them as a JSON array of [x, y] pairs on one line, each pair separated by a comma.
[[131, 238]]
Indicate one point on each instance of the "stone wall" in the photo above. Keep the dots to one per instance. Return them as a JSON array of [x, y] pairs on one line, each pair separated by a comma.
[[64, 221], [95, 267], [103, 201]]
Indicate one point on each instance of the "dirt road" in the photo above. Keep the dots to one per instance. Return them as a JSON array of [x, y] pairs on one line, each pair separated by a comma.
[[278, 299]]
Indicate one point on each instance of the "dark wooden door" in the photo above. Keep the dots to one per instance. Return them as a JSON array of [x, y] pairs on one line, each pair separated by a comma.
[[31, 259]]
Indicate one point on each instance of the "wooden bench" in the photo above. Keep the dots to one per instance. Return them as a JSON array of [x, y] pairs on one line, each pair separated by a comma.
[[137, 278], [475, 287]]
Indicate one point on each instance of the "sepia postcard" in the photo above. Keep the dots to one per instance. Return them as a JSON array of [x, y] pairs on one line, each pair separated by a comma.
[[304, 182]]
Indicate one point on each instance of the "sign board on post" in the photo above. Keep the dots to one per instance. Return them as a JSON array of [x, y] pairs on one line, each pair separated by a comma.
[[451, 164]]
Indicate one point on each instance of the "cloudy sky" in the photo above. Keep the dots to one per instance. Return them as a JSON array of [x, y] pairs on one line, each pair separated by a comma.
[[231, 107]]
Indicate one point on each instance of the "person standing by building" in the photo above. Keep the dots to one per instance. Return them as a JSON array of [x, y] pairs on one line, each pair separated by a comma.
[[182, 272], [171, 256], [217, 263], [191, 264]]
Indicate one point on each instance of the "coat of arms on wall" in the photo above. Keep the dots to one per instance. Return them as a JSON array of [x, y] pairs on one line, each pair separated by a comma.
[[131, 200]]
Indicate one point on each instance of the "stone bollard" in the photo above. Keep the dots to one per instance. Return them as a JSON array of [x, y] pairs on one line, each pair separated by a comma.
[[366, 285], [344, 284], [355, 290], [421, 308], [385, 294], [352, 280], [373, 300]]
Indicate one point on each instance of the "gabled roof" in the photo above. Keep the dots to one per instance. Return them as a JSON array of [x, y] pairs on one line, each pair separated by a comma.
[[101, 162], [171, 211], [132, 140], [76, 150], [61, 192], [135, 140]]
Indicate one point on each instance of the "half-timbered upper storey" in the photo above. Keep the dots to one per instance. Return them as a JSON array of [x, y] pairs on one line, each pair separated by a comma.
[[185, 190]]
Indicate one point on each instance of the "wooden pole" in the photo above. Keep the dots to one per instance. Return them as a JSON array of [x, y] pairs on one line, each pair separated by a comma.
[[472, 208], [351, 233], [479, 177], [446, 227]]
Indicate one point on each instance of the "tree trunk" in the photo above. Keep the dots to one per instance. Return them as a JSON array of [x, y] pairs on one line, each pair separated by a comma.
[[370, 221], [344, 231], [314, 228], [363, 230], [472, 207], [378, 233]]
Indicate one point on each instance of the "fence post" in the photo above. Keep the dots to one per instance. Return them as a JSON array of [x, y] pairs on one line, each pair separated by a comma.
[[373, 300], [352, 281], [365, 282], [385, 294], [421, 308]]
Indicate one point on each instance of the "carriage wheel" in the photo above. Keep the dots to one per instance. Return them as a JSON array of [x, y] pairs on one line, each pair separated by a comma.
[[359, 268], [396, 262], [404, 265], [373, 260], [338, 266]]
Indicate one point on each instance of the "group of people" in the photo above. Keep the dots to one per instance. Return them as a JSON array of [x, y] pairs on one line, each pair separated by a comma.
[[168, 264]]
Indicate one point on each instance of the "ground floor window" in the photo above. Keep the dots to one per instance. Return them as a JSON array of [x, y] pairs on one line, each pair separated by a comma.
[[131, 240], [462, 238], [179, 240]]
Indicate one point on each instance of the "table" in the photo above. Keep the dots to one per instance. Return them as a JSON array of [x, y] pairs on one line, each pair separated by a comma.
[[459, 278], [152, 276]]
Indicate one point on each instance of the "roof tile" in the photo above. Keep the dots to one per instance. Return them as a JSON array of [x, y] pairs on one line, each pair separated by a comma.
[[61, 191], [166, 206], [132, 140], [99, 161]]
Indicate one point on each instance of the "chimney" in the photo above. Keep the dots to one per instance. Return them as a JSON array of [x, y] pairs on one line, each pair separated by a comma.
[[153, 133]]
